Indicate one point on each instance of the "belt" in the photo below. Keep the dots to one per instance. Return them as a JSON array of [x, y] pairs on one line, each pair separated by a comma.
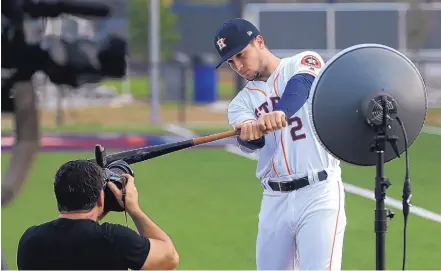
[[296, 183]]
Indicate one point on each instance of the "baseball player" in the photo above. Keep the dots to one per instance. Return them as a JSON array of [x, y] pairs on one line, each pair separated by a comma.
[[302, 216]]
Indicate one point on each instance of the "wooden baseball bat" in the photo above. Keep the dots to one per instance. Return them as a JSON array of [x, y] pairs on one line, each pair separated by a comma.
[[146, 153]]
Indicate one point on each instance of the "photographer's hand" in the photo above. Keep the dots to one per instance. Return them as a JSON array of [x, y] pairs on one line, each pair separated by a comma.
[[131, 198]]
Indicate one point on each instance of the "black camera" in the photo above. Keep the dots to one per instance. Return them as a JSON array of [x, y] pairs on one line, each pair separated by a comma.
[[112, 174], [71, 62]]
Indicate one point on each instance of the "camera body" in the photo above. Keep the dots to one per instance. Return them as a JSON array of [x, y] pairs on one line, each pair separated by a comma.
[[112, 173]]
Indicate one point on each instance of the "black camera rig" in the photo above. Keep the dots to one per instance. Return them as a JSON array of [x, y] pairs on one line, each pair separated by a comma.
[[65, 62], [70, 62]]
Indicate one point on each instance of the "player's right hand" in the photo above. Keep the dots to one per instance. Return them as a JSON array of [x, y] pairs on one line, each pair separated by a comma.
[[131, 198], [249, 130]]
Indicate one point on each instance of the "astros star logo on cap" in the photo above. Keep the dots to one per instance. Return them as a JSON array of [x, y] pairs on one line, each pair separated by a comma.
[[221, 43]]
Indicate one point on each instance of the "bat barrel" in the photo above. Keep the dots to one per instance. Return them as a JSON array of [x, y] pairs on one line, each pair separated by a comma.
[[146, 153]]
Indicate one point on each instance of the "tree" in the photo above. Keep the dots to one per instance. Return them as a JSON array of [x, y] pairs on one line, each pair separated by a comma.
[[139, 29], [417, 26]]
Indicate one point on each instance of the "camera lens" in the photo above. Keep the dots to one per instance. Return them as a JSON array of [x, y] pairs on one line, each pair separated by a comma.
[[120, 167]]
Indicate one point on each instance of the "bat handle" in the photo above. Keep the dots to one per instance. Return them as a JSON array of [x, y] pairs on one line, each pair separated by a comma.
[[214, 137]]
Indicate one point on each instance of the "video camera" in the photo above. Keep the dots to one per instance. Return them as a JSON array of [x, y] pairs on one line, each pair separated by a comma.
[[65, 62]]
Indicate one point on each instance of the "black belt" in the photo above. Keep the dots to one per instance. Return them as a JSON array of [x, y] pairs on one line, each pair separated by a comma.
[[296, 183]]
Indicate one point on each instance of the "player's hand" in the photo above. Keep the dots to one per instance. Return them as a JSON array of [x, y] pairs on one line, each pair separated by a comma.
[[249, 130], [272, 121], [131, 198]]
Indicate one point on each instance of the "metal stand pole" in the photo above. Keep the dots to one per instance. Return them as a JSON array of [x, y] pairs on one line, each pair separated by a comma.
[[381, 184], [154, 60]]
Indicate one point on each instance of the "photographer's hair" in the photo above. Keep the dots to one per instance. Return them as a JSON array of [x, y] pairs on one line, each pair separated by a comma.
[[77, 186]]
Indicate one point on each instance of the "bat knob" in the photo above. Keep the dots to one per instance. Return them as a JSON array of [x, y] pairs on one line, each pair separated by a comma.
[[100, 155]]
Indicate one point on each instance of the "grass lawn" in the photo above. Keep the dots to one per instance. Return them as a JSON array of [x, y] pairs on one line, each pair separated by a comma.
[[88, 129], [190, 194], [424, 161]]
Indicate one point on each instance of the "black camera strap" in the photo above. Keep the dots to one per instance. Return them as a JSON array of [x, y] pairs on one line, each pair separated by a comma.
[[124, 203]]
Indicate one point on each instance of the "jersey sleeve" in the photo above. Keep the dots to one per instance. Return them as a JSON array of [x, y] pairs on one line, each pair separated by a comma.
[[306, 62], [130, 246], [239, 110]]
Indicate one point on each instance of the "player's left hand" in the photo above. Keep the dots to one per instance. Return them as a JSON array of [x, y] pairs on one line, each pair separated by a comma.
[[272, 121]]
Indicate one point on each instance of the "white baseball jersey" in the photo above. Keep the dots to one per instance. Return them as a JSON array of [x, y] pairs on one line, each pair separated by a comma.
[[293, 151]]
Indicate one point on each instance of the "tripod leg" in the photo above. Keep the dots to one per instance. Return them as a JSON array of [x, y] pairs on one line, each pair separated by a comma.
[[4, 265], [27, 142]]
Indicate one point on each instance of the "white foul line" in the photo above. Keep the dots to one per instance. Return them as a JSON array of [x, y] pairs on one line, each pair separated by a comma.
[[362, 192], [432, 130], [365, 193]]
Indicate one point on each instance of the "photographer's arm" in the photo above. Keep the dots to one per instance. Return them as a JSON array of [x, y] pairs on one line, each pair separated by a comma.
[[162, 253]]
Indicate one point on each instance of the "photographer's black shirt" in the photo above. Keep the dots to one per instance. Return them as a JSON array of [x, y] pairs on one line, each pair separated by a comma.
[[81, 244]]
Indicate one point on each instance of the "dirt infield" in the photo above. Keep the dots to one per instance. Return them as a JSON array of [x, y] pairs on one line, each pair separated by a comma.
[[138, 114], [129, 115], [434, 117], [434, 120]]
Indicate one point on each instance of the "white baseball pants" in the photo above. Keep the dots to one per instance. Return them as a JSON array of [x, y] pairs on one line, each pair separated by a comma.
[[302, 229]]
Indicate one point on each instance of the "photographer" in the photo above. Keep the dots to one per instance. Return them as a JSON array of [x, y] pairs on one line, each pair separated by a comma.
[[76, 240]]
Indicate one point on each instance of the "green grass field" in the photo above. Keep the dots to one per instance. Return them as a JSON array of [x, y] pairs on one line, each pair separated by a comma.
[[211, 212]]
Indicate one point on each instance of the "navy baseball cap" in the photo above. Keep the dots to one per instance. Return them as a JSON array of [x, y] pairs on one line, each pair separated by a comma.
[[232, 37]]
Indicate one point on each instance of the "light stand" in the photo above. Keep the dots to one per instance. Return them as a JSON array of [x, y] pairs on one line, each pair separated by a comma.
[[370, 113], [380, 114]]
